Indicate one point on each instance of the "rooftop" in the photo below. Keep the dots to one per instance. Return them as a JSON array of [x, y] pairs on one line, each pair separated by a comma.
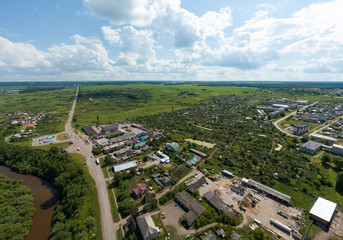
[[124, 166], [323, 137], [190, 203], [311, 145], [146, 225], [323, 209], [270, 191]]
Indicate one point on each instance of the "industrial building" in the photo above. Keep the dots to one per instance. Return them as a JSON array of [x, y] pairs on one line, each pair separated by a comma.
[[194, 208], [268, 191], [124, 166], [164, 158], [218, 203], [323, 212], [109, 128], [337, 149], [310, 147], [89, 130], [301, 128], [320, 136]]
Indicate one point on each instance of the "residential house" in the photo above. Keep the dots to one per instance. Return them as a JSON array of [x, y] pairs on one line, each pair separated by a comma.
[[147, 227]]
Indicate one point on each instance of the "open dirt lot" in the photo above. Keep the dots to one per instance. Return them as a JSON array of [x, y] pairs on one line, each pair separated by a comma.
[[173, 214], [265, 210]]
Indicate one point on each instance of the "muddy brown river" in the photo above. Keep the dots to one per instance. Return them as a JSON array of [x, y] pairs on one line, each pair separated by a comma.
[[44, 201]]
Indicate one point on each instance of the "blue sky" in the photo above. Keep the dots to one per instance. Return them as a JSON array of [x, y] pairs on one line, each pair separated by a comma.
[[284, 40]]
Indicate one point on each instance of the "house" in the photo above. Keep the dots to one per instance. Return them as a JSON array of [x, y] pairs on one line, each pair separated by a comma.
[[235, 236], [210, 236], [193, 161], [139, 190], [300, 128], [323, 212], [147, 227], [190, 205], [310, 147], [124, 166], [337, 149], [173, 147], [220, 232]]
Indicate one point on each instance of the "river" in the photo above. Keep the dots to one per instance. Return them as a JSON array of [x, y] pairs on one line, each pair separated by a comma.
[[44, 202]]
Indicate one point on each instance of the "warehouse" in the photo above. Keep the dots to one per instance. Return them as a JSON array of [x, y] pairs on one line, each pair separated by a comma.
[[310, 147], [269, 192], [323, 212], [124, 166]]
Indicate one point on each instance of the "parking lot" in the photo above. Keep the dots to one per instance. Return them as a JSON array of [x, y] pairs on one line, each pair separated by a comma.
[[173, 213]]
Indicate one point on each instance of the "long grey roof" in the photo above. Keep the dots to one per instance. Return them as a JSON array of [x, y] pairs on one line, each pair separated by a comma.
[[270, 191], [190, 203]]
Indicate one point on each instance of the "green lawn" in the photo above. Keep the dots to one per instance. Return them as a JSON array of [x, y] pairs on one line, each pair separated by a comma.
[[115, 213]]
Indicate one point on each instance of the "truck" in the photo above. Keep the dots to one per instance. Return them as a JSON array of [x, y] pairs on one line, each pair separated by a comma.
[[97, 161]]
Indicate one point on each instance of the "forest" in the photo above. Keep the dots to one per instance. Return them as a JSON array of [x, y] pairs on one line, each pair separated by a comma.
[[73, 190], [16, 209]]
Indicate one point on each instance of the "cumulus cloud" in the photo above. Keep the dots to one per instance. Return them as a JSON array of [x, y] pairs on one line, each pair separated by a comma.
[[21, 55], [86, 53], [165, 15], [134, 12], [135, 46]]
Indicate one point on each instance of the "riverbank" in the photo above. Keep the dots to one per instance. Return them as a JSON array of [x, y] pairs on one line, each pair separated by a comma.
[[45, 199]]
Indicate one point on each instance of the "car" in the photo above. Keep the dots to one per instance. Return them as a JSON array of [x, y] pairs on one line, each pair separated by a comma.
[[176, 204], [188, 236], [85, 164]]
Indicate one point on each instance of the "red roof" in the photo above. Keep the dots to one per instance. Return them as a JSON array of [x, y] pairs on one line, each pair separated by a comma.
[[139, 189]]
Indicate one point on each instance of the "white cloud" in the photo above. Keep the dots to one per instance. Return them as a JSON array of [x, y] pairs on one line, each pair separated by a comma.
[[134, 12], [165, 15], [136, 46], [87, 53], [21, 55]]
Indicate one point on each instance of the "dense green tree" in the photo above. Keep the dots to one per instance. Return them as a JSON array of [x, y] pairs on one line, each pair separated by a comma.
[[339, 182], [108, 160]]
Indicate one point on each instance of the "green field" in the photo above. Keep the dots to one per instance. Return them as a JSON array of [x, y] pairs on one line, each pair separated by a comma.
[[59, 100], [134, 100]]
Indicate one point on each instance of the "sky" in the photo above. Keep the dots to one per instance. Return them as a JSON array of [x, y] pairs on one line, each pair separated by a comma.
[[187, 40]]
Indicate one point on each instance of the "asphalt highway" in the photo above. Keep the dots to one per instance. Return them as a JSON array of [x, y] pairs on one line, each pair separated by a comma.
[[107, 224]]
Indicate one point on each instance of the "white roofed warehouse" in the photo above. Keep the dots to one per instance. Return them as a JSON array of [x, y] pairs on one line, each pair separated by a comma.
[[323, 212]]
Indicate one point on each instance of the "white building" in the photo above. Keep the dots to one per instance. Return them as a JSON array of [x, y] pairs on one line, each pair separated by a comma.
[[337, 149], [323, 212], [147, 227]]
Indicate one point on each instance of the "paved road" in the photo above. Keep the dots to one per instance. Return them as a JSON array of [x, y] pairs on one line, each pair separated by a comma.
[[326, 125], [108, 232], [276, 123]]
